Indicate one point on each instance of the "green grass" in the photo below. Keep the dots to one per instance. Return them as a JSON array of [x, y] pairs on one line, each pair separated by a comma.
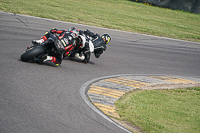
[[114, 14], [162, 111]]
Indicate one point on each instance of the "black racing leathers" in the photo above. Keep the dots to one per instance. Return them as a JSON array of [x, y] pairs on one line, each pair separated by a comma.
[[98, 42], [65, 43]]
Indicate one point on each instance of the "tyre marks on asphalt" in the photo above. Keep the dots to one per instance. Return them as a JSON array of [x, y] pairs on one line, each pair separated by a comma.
[[104, 93]]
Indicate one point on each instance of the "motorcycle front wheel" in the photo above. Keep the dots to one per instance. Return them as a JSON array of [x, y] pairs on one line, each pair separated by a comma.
[[30, 54]]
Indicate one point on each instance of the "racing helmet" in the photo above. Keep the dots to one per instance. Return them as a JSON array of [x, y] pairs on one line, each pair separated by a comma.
[[74, 30], [106, 37]]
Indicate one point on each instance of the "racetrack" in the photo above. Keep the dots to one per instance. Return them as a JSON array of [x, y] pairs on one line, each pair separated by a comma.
[[44, 99]]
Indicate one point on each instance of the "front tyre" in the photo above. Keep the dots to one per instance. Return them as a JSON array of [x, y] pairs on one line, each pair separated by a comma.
[[28, 55]]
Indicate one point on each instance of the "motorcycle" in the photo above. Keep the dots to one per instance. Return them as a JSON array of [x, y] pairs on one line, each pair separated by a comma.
[[37, 52]]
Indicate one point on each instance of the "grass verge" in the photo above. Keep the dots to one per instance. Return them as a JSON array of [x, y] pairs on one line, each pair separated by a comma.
[[174, 111], [114, 14]]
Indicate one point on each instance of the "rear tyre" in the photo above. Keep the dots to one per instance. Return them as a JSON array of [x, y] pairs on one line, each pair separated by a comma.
[[31, 53]]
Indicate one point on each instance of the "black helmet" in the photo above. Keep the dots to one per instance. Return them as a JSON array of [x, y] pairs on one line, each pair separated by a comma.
[[106, 38]]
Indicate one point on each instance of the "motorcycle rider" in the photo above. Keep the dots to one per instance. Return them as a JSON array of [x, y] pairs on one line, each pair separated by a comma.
[[66, 42], [93, 40], [77, 42]]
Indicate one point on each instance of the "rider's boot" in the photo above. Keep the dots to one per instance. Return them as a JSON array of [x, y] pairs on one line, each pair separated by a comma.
[[47, 58], [51, 59], [43, 58]]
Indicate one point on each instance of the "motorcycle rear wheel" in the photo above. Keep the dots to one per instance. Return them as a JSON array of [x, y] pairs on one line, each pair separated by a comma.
[[30, 54]]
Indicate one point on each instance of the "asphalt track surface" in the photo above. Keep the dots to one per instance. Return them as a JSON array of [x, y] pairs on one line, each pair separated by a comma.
[[41, 98]]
